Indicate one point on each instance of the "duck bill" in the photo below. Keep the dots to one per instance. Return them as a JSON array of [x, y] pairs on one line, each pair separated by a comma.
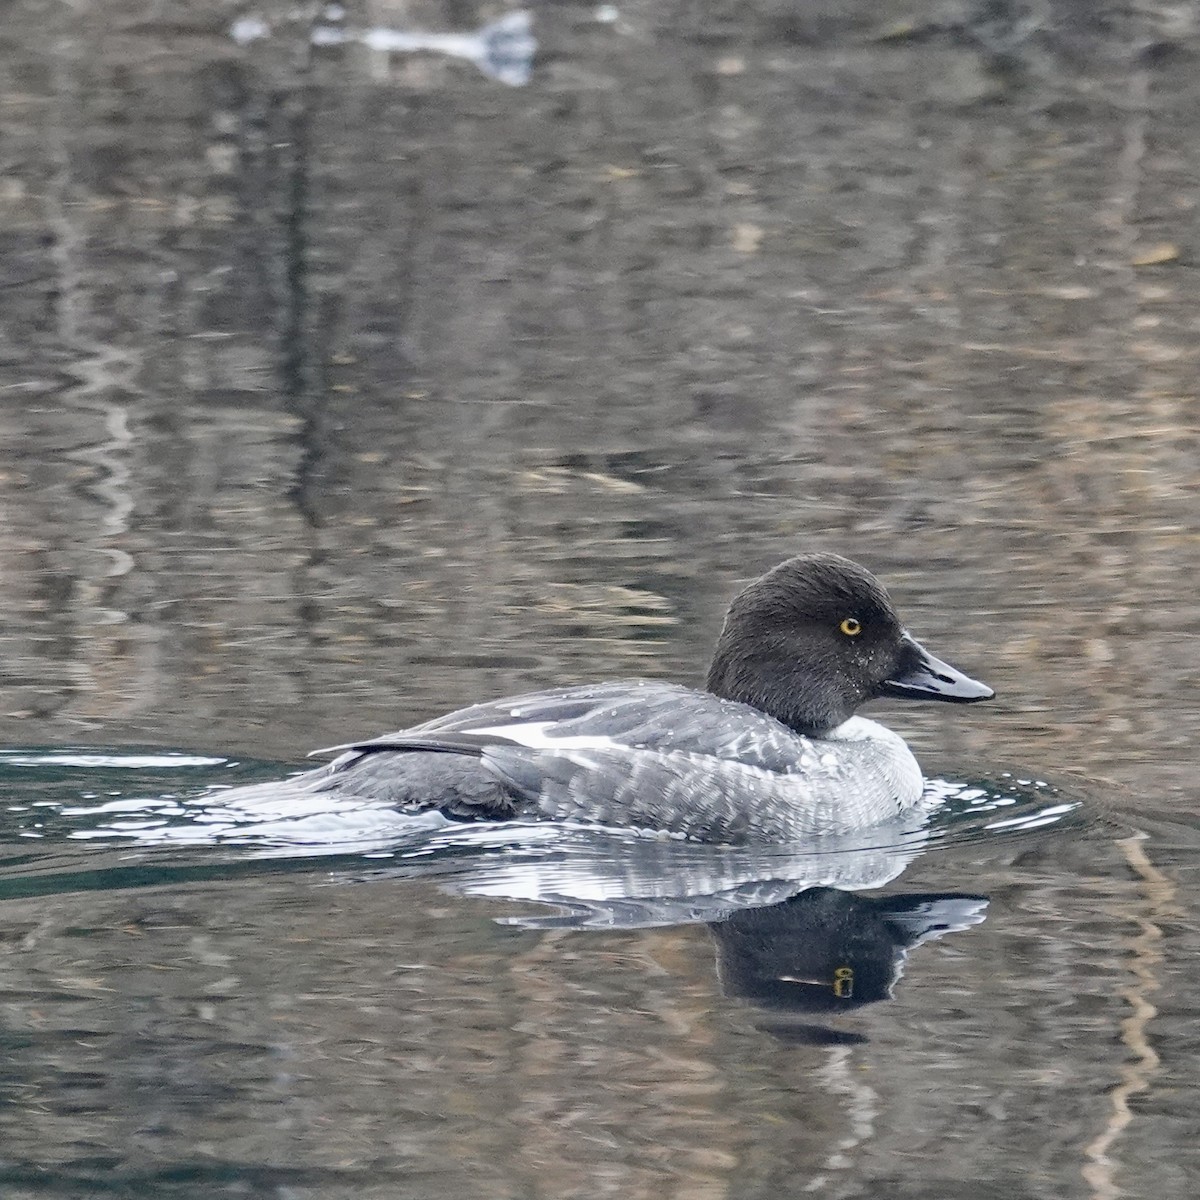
[[923, 677]]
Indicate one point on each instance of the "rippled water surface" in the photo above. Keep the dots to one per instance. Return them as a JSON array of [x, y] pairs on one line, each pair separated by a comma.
[[356, 365]]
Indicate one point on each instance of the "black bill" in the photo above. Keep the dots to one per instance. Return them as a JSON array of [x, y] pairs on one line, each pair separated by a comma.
[[923, 677]]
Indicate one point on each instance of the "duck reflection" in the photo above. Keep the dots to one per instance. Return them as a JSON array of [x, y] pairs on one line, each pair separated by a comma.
[[795, 934]]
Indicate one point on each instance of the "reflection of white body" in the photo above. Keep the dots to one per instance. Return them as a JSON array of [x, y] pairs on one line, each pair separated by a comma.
[[616, 881], [502, 49]]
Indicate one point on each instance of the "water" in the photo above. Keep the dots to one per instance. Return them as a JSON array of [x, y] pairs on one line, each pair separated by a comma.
[[341, 387], [283, 1003]]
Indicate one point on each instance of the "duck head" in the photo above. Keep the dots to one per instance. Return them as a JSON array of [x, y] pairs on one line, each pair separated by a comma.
[[817, 636]]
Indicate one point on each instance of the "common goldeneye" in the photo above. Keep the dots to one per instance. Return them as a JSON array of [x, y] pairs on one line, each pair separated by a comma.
[[770, 749]]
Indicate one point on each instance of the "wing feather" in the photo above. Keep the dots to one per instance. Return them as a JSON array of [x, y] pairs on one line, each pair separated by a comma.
[[637, 714]]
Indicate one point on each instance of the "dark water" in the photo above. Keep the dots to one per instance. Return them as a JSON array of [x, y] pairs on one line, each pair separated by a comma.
[[341, 386]]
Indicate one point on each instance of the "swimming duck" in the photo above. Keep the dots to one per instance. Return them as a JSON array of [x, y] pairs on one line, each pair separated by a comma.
[[770, 749]]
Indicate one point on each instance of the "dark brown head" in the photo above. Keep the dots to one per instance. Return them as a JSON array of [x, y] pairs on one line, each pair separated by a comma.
[[817, 636]]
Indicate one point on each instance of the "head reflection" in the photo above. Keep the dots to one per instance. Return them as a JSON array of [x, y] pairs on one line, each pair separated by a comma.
[[826, 951]]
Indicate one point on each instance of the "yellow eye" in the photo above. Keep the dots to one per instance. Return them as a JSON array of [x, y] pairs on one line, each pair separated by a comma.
[[851, 626]]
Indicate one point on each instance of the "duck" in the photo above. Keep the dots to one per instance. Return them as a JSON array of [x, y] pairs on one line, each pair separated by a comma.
[[770, 749]]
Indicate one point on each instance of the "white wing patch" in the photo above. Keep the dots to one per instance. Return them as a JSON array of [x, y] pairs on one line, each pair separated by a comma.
[[534, 735]]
